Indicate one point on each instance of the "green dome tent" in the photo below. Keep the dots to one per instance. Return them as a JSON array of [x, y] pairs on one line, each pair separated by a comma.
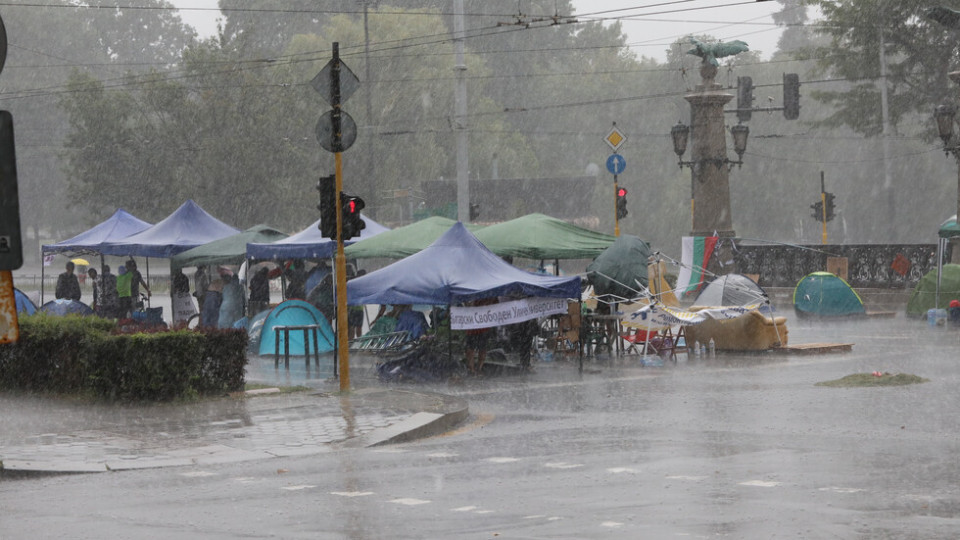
[[925, 294], [822, 294]]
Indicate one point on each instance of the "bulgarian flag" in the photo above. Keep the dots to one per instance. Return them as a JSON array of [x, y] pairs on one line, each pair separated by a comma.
[[694, 256]]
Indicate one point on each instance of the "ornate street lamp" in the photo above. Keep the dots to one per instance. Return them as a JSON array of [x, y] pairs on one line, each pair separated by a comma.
[[680, 133], [944, 114]]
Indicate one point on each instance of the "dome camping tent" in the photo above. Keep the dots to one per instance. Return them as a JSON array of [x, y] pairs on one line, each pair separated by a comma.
[[924, 295], [822, 294], [732, 290]]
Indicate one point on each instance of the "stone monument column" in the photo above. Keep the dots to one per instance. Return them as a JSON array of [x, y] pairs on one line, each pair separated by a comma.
[[711, 177]]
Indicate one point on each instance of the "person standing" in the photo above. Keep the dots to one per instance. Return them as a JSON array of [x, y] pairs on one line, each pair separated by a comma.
[[259, 291], [212, 298], [476, 342], [231, 305], [124, 299], [109, 301], [68, 286], [136, 281], [201, 281], [97, 308]]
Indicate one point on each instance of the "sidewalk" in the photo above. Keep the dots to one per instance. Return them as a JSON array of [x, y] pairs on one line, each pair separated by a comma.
[[44, 435]]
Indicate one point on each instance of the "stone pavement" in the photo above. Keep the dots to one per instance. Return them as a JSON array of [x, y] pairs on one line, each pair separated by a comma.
[[50, 435]]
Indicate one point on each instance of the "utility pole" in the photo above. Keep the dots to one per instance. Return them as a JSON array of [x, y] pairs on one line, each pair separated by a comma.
[[460, 117], [369, 181]]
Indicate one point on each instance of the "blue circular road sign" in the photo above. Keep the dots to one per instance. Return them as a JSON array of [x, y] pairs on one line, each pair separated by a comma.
[[616, 164]]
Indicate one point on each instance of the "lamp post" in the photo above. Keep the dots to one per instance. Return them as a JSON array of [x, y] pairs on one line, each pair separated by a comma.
[[709, 165], [945, 115]]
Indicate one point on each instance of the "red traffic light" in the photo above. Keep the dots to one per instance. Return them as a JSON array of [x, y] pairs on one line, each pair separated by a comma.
[[622, 192], [352, 206]]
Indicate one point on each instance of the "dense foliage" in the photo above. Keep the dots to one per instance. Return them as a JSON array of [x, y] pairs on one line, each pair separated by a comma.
[[83, 355]]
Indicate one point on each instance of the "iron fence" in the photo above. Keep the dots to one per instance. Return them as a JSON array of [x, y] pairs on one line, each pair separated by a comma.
[[882, 266]]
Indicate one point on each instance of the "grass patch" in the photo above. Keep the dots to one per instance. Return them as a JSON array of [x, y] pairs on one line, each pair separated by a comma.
[[874, 379], [283, 389]]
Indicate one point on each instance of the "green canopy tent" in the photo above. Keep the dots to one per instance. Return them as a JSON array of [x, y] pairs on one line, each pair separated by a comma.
[[948, 229], [403, 241], [537, 236], [935, 290], [826, 295], [229, 250]]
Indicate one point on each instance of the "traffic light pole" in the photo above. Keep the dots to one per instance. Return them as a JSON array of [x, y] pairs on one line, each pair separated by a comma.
[[343, 350], [340, 263]]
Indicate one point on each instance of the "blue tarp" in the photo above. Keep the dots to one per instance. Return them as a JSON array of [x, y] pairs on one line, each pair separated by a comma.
[[187, 227], [117, 227], [294, 313], [308, 244], [457, 268]]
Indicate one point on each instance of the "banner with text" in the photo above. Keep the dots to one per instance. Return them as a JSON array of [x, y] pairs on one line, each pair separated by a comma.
[[515, 311]]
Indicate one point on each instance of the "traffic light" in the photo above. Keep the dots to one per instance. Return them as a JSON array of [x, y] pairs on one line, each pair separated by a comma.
[[350, 208], [474, 211], [11, 246], [791, 96], [830, 206], [327, 186], [744, 98], [621, 203], [817, 210]]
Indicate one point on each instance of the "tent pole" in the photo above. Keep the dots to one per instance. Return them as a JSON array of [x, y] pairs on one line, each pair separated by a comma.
[[940, 245], [580, 330], [42, 268]]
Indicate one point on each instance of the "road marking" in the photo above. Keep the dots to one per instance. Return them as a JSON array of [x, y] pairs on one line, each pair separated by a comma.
[[442, 454], [620, 470], [409, 502], [352, 493], [464, 509], [483, 512], [198, 474], [502, 459], [760, 483], [562, 465], [554, 518], [535, 516], [611, 524], [842, 489], [298, 488]]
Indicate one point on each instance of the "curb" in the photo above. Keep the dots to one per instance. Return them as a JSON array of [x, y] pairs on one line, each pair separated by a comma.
[[439, 413]]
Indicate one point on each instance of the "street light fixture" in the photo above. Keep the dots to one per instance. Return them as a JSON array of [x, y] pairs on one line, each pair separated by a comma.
[[944, 114], [680, 133]]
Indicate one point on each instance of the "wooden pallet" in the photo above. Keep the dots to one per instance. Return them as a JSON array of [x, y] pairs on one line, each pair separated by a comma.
[[814, 348]]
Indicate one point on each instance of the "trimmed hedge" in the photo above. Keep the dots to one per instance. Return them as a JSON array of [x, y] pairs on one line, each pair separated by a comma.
[[88, 355]]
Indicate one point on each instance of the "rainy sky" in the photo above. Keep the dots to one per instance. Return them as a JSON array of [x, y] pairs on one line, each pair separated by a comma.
[[649, 30]]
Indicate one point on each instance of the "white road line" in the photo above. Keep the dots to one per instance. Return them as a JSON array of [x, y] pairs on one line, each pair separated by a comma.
[[760, 483], [502, 459], [351, 493], [562, 465], [611, 524], [464, 509], [409, 502], [841, 489], [298, 488], [621, 470]]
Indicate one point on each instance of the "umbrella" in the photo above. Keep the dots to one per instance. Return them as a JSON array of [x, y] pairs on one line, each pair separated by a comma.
[[617, 270], [80, 262], [63, 306]]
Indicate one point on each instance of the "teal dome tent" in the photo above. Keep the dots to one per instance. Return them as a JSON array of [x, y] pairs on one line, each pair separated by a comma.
[[822, 294]]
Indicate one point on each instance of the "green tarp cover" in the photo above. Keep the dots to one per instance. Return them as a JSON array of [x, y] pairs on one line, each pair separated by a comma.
[[536, 236], [229, 250], [824, 294], [618, 269], [925, 293], [403, 241]]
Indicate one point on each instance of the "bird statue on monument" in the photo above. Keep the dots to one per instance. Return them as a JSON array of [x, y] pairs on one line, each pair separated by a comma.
[[709, 52]]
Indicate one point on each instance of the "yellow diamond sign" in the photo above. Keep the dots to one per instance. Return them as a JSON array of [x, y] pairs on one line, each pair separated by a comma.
[[615, 139]]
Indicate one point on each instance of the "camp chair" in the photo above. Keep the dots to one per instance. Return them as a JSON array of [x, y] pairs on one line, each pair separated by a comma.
[[661, 343]]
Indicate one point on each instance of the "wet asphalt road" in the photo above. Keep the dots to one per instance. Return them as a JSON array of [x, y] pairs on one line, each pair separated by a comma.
[[742, 446]]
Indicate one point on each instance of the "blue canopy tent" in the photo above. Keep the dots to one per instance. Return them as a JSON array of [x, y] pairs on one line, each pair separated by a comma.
[[117, 227], [187, 227], [308, 244], [456, 268]]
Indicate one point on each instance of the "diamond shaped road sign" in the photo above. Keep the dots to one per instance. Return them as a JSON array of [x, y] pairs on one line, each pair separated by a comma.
[[349, 83], [615, 139]]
